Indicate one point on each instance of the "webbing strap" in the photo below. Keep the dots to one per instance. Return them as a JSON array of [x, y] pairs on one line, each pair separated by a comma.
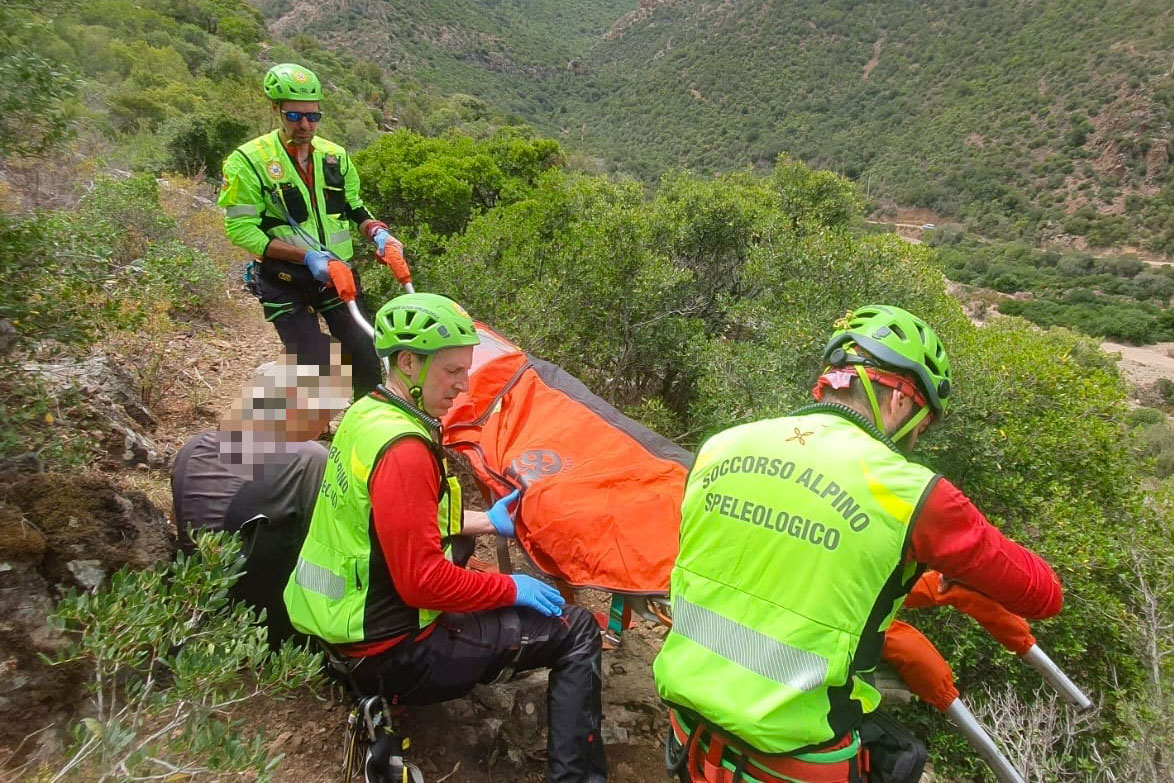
[[274, 310], [329, 304], [710, 758]]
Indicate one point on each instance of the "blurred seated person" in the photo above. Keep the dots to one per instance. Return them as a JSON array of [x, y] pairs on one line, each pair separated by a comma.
[[259, 472]]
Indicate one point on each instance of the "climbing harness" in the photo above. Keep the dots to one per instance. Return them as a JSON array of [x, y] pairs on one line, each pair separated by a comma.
[[698, 753]]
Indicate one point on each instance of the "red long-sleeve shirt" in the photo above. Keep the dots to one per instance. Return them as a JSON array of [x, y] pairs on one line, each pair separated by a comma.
[[951, 535]]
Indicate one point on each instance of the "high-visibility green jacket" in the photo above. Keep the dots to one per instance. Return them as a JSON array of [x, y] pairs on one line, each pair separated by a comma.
[[261, 182], [340, 590], [794, 535]]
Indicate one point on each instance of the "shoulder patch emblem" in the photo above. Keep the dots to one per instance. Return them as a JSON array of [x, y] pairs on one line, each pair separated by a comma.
[[275, 169]]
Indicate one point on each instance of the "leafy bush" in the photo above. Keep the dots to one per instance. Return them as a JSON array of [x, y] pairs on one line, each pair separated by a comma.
[[439, 184], [198, 143], [74, 284], [1156, 443], [169, 658], [35, 104]]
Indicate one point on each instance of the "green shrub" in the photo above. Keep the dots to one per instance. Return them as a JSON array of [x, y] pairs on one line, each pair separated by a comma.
[[169, 656]]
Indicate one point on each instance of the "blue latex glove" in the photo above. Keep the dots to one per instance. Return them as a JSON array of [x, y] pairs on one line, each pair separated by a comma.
[[501, 516], [537, 595], [380, 238], [318, 263]]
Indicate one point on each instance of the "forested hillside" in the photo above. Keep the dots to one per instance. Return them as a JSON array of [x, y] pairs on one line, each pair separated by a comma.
[[1028, 121], [504, 52]]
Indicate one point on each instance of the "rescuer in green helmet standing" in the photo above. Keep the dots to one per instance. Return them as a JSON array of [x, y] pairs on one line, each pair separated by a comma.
[[375, 577], [290, 198], [800, 538]]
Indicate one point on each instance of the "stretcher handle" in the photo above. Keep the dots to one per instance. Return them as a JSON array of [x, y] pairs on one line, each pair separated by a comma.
[[982, 743], [1056, 677], [359, 319], [399, 266]]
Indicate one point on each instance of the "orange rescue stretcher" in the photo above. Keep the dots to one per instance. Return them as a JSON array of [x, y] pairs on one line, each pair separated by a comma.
[[601, 496]]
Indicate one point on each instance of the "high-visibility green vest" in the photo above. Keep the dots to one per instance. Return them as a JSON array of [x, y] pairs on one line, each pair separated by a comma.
[[328, 594], [261, 180], [794, 535]]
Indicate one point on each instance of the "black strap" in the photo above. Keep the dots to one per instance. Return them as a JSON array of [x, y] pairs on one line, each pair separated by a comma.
[[677, 765]]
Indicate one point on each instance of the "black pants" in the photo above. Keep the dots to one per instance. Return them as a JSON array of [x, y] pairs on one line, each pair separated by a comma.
[[467, 649], [294, 306]]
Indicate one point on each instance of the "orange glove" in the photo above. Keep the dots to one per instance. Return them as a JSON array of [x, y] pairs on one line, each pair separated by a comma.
[[1010, 629], [394, 258], [920, 665], [342, 280]]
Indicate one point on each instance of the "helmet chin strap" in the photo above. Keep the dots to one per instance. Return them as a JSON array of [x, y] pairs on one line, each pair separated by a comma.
[[907, 427], [416, 387], [912, 423]]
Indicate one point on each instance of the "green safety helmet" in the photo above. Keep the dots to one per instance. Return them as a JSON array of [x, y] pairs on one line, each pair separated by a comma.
[[898, 340], [422, 323], [292, 82]]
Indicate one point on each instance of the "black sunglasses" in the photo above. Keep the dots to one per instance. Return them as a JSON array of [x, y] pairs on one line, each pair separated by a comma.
[[296, 116]]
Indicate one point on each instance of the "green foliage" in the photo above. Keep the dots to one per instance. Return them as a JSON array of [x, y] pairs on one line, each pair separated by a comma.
[[75, 268], [1156, 443], [36, 419], [169, 655], [34, 115], [198, 143], [1119, 297], [813, 198], [1100, 316], [992, 113], [437, 185]]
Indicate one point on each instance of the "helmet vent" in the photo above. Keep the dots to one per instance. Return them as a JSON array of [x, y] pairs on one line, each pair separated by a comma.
[[897, 331]]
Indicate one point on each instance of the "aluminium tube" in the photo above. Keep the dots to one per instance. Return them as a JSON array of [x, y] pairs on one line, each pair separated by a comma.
[[981, 741], [1067, 689]]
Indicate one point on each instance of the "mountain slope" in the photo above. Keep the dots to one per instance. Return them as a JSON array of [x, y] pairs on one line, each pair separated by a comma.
[[501, 51], [998, 111], [1034, 120]]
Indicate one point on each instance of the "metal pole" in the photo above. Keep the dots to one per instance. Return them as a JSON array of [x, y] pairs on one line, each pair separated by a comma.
[[981, 741], [1056, 676]]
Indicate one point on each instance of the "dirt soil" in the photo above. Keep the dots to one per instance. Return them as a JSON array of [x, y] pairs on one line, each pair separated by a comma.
[[1142, 365]]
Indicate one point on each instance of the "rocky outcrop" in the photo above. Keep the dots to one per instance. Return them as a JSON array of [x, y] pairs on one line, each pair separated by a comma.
[[111, 404], [58, 532]]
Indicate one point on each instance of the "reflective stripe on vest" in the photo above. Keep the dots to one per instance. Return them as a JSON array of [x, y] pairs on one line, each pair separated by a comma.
[[748, 648], [272, 163], [328, 593], [792, 561]]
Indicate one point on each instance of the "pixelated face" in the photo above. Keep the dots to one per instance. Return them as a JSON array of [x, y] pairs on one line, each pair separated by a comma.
[[293, 401], [447, 377]]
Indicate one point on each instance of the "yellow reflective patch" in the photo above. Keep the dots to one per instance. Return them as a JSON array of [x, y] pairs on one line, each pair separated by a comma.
[[894, 505], [358, 469], [455, 518]]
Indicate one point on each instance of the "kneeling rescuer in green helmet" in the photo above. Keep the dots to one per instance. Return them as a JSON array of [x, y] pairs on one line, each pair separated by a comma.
[[375, 577], [800, 538]]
